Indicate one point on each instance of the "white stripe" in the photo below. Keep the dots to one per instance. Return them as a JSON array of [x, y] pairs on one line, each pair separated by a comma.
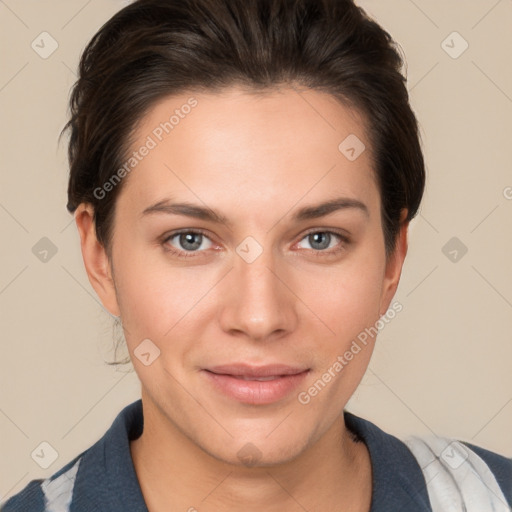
[[458, 480], [59, 492]]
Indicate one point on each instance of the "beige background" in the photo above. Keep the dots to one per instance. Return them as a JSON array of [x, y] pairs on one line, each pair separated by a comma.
[[442, 366]]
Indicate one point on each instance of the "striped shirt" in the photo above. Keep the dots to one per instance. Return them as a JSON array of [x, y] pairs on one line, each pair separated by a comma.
[[436, 475]]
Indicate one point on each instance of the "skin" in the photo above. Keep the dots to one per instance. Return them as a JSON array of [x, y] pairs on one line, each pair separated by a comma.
[[256, 160]]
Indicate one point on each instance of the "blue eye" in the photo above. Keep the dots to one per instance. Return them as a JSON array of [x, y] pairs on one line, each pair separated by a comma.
[[322, 240], [188, 241]]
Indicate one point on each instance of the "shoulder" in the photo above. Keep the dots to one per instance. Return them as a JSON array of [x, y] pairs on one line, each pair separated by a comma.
[[30, 499], [458, 474], [432, 473], [37, 494], [103, 475], [500, 466]]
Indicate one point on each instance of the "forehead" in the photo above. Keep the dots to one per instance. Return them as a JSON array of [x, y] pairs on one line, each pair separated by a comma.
[[252, 149]]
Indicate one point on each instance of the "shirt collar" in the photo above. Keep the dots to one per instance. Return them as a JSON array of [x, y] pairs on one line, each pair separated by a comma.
[[108, 480], [397, 480]]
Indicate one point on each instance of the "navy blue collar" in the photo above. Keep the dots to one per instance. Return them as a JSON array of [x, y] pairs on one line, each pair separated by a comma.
[[398, 482], [106, 479]]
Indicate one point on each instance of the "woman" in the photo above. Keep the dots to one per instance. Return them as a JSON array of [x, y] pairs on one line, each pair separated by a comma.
[[242, 178]]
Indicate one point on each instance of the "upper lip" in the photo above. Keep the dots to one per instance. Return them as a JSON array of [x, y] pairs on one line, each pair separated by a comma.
[[247, 370]]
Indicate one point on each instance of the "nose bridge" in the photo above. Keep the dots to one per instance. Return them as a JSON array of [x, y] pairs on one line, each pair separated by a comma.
[[257, 302]]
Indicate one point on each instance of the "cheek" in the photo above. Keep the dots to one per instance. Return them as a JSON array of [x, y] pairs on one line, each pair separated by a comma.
[[346, 297], [153, 297]]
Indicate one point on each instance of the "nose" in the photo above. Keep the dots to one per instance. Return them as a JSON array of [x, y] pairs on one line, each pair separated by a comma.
[[256, 301]]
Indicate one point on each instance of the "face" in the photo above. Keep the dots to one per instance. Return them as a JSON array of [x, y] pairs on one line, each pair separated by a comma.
[[248, 253]]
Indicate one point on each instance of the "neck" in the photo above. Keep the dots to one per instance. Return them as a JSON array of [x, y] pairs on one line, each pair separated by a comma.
[[175, 474]]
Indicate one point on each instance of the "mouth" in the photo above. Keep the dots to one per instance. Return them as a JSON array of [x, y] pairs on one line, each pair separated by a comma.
[[259, 379], [256, 385]]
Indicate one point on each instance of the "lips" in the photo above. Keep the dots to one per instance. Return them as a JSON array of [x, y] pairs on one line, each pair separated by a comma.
[[259, 379], [256, 385], [250, 371]]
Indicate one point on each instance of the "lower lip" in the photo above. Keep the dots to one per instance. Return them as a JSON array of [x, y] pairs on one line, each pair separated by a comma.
[[256, 392]]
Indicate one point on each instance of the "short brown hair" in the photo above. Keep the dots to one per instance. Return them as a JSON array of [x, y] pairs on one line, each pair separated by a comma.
[[156, 48]]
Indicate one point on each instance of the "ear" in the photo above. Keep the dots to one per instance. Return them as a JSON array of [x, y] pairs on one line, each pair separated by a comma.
[[394, 265], [96, 261]]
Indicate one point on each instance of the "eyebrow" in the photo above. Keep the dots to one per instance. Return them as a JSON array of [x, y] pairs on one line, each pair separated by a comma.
[[305, 213], [187, 209], [340, 203]]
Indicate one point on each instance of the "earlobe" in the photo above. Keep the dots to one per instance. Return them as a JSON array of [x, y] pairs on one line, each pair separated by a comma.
[[394, 265], [96, 260]]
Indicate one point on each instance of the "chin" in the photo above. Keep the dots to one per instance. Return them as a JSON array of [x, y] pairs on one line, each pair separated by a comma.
[[262, 450]]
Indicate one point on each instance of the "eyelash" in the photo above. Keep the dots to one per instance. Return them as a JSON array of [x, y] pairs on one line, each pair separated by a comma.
[[344, 241], [178, 253], [339, 248]]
